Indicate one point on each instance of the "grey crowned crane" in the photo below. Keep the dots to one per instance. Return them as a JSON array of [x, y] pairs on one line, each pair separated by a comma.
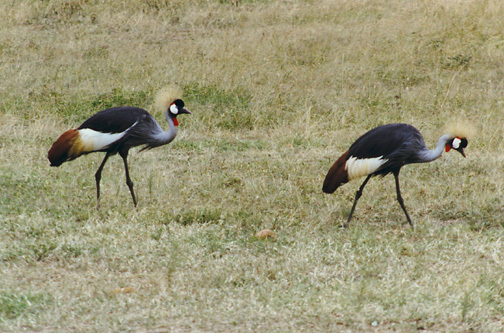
[[117, 130], [386, 149]]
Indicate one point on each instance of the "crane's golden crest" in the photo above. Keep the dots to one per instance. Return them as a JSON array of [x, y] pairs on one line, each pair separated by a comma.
[[166, 96], [460, 129]]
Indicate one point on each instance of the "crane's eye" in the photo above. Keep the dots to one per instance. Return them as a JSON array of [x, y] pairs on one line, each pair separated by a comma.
[[173, 108]]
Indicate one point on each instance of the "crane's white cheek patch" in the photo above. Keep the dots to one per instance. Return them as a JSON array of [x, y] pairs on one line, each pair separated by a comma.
[[173, 109], [93, 140], [359, 167], [456, 143]]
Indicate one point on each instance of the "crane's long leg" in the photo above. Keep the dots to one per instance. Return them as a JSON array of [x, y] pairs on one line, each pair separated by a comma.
[[124, 156], [98, 177], [357, 196], [400, 199]]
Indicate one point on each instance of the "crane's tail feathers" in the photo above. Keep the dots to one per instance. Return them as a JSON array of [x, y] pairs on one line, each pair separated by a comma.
[[337, 175], [61, 150], [166, 96]]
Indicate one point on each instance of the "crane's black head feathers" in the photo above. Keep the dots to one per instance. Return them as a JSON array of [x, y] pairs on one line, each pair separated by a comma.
[[179, 103], [458, 144], [177, 107], [463, 142]]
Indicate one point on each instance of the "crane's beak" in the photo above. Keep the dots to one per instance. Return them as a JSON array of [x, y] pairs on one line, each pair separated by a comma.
[[183, 110], [461, 150], [461, 143]]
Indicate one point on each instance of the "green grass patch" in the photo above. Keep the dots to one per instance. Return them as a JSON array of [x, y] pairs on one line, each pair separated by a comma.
[[13, 306], [81, 109], [230, 110], [202, 215]]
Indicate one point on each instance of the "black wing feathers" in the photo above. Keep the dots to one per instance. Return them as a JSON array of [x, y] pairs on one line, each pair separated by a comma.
[[115, 120], [382, 141]]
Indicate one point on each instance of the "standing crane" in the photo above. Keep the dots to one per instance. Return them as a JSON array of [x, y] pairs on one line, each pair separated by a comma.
[[383, 150], [118, 129]]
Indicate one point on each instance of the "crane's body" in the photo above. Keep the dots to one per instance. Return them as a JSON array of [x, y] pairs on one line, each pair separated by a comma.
[[116, 130], [383, 150]]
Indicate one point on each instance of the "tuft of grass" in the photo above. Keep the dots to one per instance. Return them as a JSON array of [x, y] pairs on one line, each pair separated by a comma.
[[203, 215], [229, 110], [458, 61], [13, 306]]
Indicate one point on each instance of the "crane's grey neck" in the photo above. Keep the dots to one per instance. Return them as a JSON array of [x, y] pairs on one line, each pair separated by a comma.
[[430, 155], [163, 137]]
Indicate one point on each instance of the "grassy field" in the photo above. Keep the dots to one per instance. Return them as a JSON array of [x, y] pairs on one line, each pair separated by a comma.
[[278, 89]]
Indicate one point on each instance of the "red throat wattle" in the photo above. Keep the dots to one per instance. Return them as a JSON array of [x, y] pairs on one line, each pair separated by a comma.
[[447, 148], [175, 121]]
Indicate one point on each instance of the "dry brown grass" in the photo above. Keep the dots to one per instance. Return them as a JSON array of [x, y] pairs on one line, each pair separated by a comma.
[[277, 90]]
